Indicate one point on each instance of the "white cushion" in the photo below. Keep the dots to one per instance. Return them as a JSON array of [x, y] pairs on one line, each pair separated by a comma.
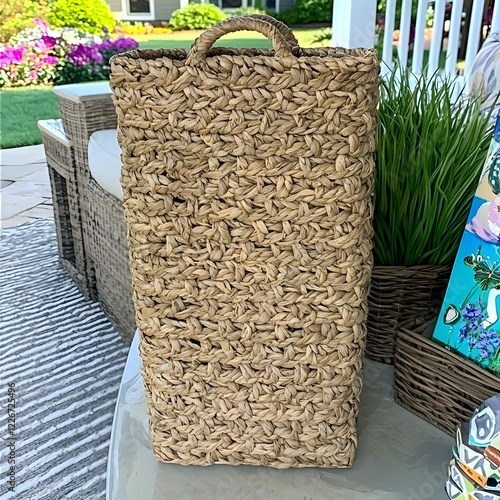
[[104, 161]]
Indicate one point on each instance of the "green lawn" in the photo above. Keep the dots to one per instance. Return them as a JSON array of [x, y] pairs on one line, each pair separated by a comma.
[[184, 39], [21, 108]]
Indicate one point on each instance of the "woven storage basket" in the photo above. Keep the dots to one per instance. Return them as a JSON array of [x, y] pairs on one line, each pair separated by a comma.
[[398, 295], [436, 384], [247, 190]]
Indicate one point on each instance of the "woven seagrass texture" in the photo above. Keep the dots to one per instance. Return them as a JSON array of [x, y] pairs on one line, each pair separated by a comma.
[[436, 384], [399, 294], [67, 211], [247, 191]]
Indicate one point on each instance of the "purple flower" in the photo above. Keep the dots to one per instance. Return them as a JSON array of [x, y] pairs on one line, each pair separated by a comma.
[[52, 60], [81, 54], [123, 44], [471, 312], [78, 55], [50, 41], [489, 15], [485, 349], [464, 332], [472, 341], [486, 334], [495, 342], [95, 55], [106, 45]]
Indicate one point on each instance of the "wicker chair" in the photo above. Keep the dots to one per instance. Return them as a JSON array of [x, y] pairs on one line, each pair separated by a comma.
[[67, 207], [86, 108]]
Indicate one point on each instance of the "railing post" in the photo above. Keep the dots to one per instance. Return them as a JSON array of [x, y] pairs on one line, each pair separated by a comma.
[[353, 23]]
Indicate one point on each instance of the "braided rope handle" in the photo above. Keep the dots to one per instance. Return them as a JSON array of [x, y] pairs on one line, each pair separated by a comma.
[[284, 29], [272, 31]]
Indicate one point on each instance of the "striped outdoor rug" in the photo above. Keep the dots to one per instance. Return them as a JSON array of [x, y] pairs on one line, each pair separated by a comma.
[[62, 361]]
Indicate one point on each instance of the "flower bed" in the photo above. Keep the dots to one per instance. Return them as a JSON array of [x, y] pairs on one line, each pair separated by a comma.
[[41, 55]]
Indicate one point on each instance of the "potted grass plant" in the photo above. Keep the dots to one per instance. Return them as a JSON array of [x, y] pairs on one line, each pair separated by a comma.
[[431, 150]]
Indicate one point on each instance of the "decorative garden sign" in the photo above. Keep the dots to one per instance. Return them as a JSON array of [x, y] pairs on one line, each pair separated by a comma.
[[469, 321]]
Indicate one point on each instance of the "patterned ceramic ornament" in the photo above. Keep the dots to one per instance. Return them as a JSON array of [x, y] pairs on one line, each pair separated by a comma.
[[474, 472]]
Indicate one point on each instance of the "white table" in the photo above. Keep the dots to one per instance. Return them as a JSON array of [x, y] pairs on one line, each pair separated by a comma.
[[400, 456]]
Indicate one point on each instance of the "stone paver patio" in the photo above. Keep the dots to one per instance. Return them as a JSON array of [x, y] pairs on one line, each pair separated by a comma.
[[25, 187]]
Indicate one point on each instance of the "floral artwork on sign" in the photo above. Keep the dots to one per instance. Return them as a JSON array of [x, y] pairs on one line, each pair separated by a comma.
[[469, 320]]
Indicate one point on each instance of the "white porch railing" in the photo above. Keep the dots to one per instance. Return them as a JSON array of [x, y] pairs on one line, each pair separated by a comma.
[[354, 26]]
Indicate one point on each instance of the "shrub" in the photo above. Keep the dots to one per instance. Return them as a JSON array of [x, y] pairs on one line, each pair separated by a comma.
[[196, 16], [430, 155], [309, 11], [15, 15], [248, 11], [89, 15]]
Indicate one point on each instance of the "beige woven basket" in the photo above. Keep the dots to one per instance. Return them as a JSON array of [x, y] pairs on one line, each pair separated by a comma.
[[247, 189]]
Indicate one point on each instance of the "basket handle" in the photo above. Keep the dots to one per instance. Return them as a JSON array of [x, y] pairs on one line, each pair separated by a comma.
[[283, 28], [203, 44]]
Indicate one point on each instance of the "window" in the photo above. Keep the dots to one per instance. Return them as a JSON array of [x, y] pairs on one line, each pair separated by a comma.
[[139, 6]]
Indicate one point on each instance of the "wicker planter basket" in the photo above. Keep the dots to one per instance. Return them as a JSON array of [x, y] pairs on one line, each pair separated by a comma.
[[397, 296], [247, 182], [436, 384]]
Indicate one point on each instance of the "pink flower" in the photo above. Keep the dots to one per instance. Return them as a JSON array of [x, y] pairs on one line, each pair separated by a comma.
[[52, 60], [486, 222], [13, 72], [38, 65], [42, 25], [33, 75], [11, 55], [49, 41]]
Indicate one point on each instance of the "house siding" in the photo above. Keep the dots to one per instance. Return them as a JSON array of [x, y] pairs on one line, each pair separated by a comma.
[[164, 9], [286, 4], [115, 5]]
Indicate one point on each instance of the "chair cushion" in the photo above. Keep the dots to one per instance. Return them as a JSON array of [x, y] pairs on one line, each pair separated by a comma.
[[484, 79], [104, 161]]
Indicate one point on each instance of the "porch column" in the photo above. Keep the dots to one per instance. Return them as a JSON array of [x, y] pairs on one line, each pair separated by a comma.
[[353, 23]]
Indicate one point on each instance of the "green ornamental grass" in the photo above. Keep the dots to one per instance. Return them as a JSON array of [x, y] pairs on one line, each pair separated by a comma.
[[431, 150]]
